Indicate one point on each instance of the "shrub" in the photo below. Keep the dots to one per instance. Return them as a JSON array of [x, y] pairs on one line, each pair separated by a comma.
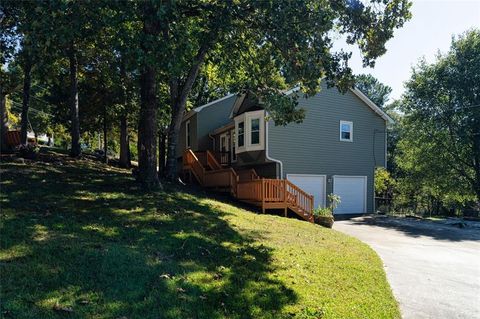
[[333, 200], [28, 151]]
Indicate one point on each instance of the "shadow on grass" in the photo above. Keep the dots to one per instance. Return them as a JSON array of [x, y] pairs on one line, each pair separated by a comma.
[[419, 228], [83, 241]]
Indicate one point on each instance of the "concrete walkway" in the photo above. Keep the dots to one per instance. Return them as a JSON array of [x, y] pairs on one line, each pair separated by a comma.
[[433, 269]]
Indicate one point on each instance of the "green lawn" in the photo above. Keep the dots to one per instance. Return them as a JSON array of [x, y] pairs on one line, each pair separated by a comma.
[[80, 240]]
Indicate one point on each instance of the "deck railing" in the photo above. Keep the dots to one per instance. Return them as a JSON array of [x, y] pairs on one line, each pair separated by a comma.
[[296, 196], [247, 186], [250, 190]]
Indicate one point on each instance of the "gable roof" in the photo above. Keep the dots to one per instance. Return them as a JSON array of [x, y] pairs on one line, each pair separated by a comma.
[[238, 102], [372, 105], [200, 108]]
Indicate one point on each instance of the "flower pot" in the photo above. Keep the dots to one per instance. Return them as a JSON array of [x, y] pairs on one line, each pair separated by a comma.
[[325, 221]]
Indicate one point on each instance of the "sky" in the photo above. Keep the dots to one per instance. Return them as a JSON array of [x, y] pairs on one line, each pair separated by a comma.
[[430, 29]]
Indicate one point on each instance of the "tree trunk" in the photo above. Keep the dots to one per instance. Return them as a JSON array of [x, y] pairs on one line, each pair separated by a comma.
[[162, 139], [27, 80], [173, 133], [124, 143], [147, 124], [105, 135], [179, 101], [3, 127], [124, 140], [75, 125], [147, 130]]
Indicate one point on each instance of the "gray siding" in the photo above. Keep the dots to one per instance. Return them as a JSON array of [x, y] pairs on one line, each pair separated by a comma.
[[314, 146], [181, 145], [211, 118]]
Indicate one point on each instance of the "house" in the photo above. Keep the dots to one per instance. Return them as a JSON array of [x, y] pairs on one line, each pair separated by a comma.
[[334, 150]]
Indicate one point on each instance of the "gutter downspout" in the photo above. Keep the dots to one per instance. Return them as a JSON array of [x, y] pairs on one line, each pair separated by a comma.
[[266, 151]]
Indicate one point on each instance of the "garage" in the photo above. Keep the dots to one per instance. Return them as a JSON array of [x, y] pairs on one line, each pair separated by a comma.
[[312, 184], [353, 194]]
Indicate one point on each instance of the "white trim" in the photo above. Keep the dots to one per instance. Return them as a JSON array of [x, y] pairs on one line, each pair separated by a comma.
[[232, 143], [267, 155], [372, 105], [365, 188], [324, 185], [201, 107], [386, 150], [187, 135], [237, 104], [247, 118], [351, 131], [294, 90]]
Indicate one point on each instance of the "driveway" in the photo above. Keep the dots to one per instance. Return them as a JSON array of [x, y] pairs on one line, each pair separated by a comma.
[[433, 269]]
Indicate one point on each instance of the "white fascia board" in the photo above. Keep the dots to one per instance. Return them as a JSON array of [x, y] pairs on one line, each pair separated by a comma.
[[372, 105]]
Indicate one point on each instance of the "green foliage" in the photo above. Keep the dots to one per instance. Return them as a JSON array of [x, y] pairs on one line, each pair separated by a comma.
[[333, 201], [384, 182], [28, 151], [439, 150], [373, 89]]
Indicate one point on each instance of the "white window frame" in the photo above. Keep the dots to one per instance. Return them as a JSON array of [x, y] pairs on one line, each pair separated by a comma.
[[237, 135], [252, 131], [350, 123], [233, 143], [188, 137], [247, 118]]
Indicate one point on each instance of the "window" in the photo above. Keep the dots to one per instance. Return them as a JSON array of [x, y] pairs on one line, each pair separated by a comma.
[[187, 135], [241, 134], [255, 131], [234, 155], [346, 131], [250, 131]]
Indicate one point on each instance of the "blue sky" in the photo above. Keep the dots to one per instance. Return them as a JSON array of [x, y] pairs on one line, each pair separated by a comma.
[[431, 28]]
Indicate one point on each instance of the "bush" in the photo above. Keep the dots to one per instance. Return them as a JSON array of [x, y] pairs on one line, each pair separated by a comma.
[[28, 151]]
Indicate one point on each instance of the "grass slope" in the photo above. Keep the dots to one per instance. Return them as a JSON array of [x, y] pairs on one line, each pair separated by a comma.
[[79, 240]]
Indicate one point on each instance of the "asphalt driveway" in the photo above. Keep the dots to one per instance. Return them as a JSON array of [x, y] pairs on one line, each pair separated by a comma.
[[434, 270]]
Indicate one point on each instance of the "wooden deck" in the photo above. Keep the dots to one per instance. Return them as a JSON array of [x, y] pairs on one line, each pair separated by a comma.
[[247, 186]]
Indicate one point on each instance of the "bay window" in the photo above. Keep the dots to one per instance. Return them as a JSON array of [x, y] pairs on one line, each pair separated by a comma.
[[250, 131]]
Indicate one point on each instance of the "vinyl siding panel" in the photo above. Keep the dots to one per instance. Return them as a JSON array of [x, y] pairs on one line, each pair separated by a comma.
[[181, 145], [211, 118], [314, 146]]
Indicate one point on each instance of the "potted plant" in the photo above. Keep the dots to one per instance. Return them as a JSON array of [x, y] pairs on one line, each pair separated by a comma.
[[324, 215]]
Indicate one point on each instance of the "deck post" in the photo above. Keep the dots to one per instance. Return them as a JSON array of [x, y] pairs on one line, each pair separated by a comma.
[[285, 197], [263, 195]]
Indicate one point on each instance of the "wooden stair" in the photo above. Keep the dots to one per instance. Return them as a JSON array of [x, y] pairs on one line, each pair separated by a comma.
[[247, 186]]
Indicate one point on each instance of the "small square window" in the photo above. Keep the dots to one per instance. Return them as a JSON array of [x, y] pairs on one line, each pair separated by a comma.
[[346, 131]]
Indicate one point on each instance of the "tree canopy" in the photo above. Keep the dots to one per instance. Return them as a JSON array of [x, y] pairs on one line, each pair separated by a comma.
[[440, 149], [170, 55]]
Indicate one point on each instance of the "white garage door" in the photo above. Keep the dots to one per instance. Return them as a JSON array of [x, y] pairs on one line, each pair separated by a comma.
[[312, 184], [353, 194]]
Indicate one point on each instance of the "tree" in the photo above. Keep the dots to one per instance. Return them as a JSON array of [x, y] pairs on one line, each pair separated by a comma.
[[68, 30], [373, 89], [441, 142], [273, 45]]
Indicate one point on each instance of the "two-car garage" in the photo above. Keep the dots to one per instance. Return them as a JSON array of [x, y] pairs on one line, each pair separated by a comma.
[[351, 189]]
